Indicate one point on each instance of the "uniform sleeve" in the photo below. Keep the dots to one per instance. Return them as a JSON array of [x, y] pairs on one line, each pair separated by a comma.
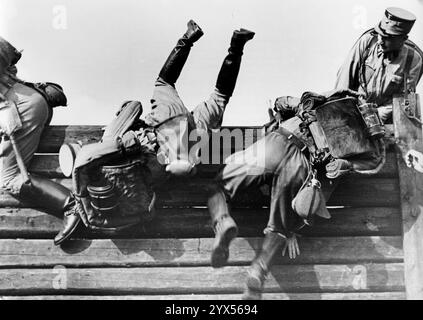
[[348, 75], [415, 72]]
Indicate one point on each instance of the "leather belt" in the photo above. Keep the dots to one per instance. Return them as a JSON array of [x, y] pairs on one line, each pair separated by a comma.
[[295, 140]]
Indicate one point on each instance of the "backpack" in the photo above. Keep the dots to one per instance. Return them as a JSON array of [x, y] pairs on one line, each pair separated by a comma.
[[112, 182], [339, 131]]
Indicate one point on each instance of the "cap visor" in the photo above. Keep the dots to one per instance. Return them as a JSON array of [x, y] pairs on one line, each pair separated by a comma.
[[383, 32]]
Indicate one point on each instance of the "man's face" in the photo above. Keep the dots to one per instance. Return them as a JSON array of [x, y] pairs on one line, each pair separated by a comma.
[[390, 43]]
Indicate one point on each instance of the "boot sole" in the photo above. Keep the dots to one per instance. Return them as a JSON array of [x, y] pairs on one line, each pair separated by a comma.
[[251, 295], [220, 253], [254, 289], [68, 235], [254, 284]]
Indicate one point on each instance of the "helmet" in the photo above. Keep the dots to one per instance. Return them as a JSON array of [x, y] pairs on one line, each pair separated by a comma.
[[54, 94], [8, 54]]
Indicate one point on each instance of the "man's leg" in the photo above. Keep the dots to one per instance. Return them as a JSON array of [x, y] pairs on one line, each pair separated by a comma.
[[224, 226], [252, 167], [33, 111], [175, 62], [260, 266], [288, 179], [166, 102], [209, 114], [39, 192]]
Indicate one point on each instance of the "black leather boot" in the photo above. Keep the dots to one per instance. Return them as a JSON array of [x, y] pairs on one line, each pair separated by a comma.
[[261, 265], [71, 220], [173, 66], [56, 199], [228, 74], [224, 227]]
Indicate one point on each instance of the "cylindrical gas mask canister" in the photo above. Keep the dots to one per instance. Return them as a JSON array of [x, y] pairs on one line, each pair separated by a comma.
[[103, 197], [374, 126]]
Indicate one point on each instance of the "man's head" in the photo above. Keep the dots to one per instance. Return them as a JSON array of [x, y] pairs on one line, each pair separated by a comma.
[[9, 56], [393, 29]]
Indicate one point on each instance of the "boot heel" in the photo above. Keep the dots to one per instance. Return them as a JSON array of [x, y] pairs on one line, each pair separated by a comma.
[[220, 253]]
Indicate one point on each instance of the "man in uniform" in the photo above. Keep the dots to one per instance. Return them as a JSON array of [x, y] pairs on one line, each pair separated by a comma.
[[383, 62], [33, 104], [291, 160], [158, 139]]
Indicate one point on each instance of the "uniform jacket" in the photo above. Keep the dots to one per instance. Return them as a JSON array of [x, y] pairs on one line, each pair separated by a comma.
[[367, 71]]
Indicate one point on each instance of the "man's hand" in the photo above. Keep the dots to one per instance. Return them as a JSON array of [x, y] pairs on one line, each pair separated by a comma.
[[292, 245], [414, 159], [337, 168]]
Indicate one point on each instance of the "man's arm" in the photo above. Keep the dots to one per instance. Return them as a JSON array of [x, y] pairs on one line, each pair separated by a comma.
[[348, 74], [415, 72]]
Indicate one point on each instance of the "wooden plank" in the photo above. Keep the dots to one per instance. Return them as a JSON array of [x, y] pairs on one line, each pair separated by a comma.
[[394, 295], [355, 192], [195, 222], [201, 280], [48, 165], [409, 136], [189, 252], [54, 136]]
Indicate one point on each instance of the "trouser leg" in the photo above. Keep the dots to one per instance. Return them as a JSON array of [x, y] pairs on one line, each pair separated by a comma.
[[178, 56], [251, 167], [33, 111]]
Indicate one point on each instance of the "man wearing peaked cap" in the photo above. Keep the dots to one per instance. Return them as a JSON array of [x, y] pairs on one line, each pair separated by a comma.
[[395, 22], [381, 60]]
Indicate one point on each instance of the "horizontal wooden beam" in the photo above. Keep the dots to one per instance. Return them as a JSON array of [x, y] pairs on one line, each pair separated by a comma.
[[48, 165], [354, 192], [189, 252], [54, 136], [190, 223], [201, 280], [394, 295]]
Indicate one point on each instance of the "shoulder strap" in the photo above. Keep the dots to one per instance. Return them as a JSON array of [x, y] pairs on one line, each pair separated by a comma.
[[415, 48]]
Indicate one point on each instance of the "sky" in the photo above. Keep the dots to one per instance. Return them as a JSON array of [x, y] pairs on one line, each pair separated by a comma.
[[104, 52]]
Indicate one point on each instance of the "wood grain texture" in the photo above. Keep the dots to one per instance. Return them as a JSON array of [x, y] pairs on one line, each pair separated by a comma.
[[189, 252], [195, 222], [54, 136], [409, 136], [48, 165], [354, 192], [394, 295], [201, 280]]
